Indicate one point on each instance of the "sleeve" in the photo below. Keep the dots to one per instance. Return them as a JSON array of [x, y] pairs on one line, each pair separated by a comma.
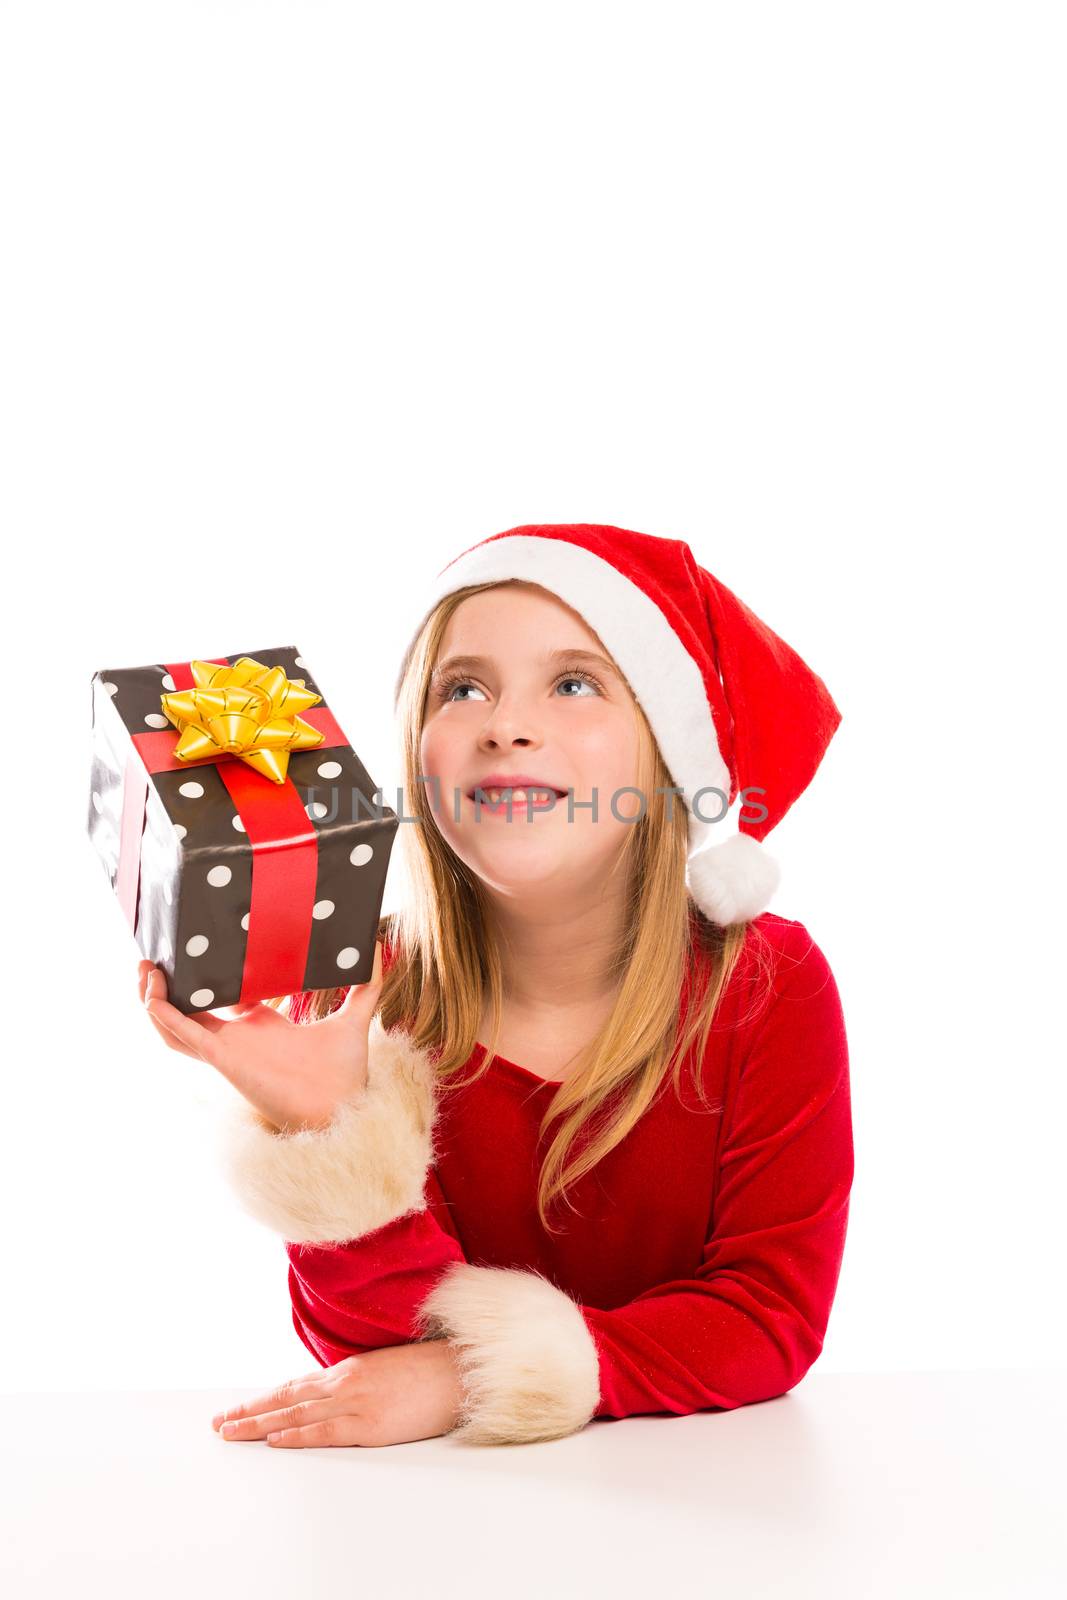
[[751, 1319], [359, 1206], [352, 1202]]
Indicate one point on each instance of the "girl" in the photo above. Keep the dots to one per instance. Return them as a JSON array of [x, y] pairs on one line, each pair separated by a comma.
[[582, 1147]]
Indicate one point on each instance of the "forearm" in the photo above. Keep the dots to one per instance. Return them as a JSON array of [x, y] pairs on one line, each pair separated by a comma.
[[366, 1294]]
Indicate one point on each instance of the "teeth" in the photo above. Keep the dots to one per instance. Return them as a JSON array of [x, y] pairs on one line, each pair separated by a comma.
[[496, 795]]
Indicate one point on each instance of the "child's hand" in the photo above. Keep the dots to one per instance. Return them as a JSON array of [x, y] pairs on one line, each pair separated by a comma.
[[294, 1074], [390, 1396]]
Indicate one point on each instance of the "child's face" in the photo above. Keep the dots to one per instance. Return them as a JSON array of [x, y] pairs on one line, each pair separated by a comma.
[[517, 711]]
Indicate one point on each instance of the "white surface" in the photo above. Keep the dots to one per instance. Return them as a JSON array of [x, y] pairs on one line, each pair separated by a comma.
[[853, 1485]]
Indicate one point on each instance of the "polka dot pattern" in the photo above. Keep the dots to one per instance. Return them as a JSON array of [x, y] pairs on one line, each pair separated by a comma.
[[194, 911]]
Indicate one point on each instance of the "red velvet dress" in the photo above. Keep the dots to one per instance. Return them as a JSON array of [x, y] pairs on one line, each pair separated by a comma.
[[705, 1253]]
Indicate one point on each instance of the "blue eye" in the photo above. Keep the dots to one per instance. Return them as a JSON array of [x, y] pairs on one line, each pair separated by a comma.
[[444, 689], [579, 677], [458, 683]]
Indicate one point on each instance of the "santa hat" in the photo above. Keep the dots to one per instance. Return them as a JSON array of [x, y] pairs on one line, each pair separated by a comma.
[[732, 706]]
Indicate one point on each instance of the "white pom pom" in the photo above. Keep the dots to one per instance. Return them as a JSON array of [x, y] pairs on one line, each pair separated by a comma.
[[733, 881]]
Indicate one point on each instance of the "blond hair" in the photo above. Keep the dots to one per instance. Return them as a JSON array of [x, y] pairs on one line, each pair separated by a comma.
[[445, 966]]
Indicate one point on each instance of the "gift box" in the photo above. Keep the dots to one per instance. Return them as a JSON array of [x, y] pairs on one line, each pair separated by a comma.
[[241, 833]]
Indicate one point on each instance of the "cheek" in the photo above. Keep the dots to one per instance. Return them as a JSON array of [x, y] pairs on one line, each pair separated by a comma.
[[436, 750], [630, 802], [608, 757], [442, 757]]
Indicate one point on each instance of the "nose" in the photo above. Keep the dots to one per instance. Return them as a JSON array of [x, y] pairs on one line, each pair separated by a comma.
[[508, 726]]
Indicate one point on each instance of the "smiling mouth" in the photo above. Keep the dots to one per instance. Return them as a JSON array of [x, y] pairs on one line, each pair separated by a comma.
[[493, 799]]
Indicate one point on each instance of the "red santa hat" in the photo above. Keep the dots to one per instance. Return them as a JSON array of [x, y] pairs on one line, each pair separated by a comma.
[[733, 708]]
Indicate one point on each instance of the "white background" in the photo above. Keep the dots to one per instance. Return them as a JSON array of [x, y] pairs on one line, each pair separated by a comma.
[[300, 300]]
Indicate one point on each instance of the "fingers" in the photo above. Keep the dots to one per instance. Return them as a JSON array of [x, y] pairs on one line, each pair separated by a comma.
[[313, 1386], [171, 1042], [303, 1424], [153, 986], [340, 1429], [144, 973], [156, 991], [296, 1415], [315, 1410], [144, 969], [197, 1035], [362, 997]]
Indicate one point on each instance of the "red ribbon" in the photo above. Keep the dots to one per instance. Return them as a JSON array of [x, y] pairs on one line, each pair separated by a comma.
[[285, 848]]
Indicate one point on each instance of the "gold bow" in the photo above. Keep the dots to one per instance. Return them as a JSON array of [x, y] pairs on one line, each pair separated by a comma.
[[247, 710]]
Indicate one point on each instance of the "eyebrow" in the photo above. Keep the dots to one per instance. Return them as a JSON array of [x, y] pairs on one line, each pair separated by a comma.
[[550, 656]]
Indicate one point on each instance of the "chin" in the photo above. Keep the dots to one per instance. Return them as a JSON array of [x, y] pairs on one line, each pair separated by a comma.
[[511, 877]]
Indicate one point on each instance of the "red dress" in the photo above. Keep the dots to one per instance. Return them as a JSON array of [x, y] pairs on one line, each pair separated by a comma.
[[697, 1271]]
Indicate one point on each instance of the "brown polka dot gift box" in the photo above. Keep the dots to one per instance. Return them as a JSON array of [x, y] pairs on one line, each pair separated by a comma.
[[242, 835]]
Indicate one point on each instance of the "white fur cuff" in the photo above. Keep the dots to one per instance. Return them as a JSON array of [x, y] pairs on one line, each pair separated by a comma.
[[368, 1167], [529, 1364]]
